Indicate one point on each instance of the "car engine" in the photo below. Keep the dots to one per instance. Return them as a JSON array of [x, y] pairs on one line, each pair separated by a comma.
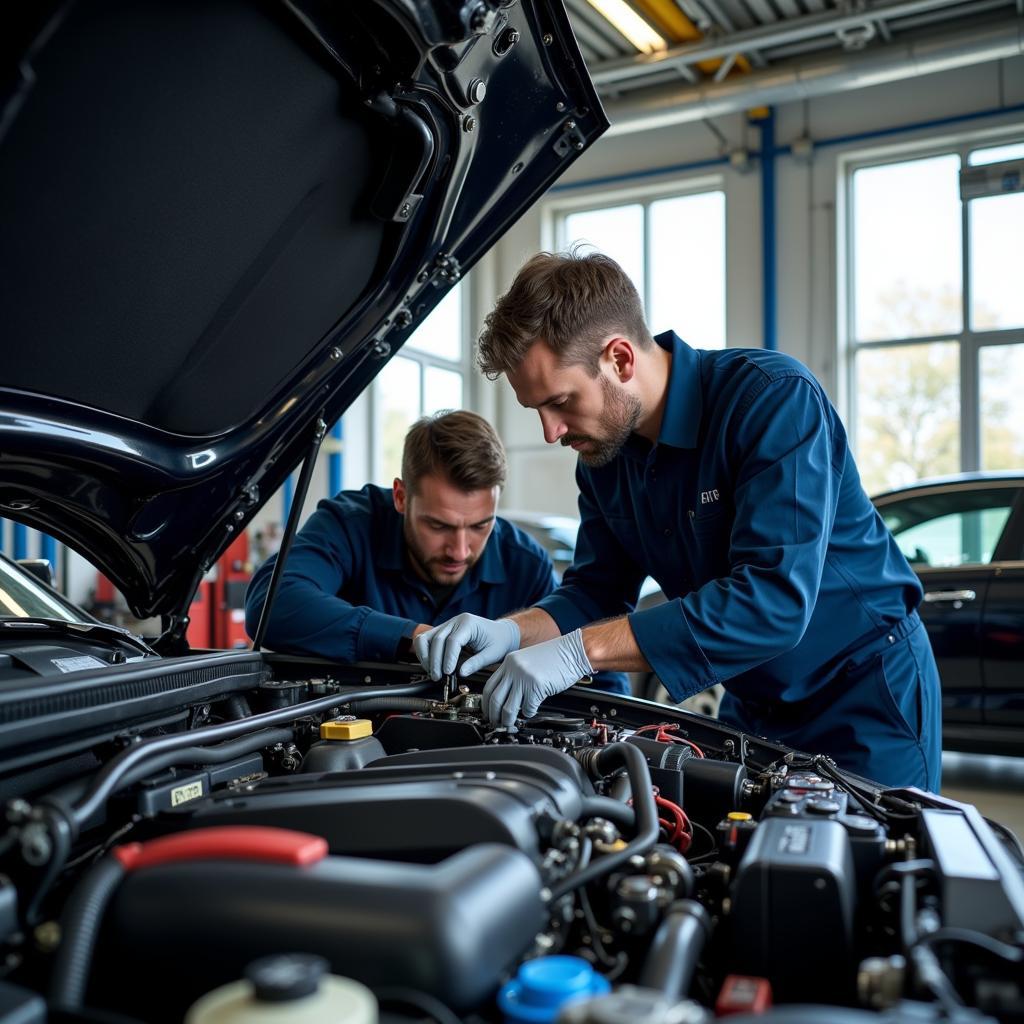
[[375, 820]]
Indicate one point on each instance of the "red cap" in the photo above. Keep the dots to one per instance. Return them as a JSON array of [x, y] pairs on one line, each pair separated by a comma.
[[229, 842]]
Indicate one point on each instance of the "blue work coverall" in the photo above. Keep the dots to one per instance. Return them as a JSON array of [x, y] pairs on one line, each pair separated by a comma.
[[783, 582], [349, 593]]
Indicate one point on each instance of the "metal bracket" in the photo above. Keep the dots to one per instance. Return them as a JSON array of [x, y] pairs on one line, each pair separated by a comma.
[[446, 267], [571, 140]]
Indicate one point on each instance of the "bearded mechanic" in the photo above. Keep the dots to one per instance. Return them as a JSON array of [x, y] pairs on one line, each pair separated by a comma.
[[726, 475], [371, 568]]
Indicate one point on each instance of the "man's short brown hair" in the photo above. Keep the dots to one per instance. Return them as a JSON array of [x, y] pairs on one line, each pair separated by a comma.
[[572, 301], [460, 446]]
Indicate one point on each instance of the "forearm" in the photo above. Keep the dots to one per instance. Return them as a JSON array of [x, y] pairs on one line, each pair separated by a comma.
[[612, 645], [305, 620], [535, 626]]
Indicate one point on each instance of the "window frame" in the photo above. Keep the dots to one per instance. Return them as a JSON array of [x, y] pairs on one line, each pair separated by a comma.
[[970, 342], [424, 360], [602, 197]]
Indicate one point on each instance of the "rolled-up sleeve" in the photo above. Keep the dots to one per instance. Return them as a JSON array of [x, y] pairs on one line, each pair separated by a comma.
[[308, 617], [785, 494], [603, 581]]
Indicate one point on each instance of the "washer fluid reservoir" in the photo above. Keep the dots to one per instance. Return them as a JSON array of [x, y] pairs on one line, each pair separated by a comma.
[[290, 988]]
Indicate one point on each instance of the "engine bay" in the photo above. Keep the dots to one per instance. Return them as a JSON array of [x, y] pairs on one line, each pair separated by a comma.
[[374, 819]]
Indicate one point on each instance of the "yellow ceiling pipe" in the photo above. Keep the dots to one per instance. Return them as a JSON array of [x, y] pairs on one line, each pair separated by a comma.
[[675, 26]]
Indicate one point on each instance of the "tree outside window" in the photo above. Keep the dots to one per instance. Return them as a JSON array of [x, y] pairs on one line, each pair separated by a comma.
[[936, 319]]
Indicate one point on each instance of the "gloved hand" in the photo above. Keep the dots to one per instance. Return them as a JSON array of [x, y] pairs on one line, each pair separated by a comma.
[[533, 674], [439, 648]]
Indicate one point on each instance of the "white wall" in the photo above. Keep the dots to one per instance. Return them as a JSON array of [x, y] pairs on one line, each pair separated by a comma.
[[542, 477]]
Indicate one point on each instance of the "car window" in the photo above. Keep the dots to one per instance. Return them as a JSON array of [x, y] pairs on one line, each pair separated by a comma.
[[950, 529], [21, 597]]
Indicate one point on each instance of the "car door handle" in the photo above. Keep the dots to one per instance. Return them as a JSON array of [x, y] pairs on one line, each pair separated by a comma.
[[936, 596]]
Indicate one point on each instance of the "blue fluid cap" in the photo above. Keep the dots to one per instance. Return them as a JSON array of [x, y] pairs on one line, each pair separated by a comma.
[[543, 986]]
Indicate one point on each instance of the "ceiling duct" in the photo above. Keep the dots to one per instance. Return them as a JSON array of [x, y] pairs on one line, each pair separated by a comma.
[[625, 72], [676, 104]]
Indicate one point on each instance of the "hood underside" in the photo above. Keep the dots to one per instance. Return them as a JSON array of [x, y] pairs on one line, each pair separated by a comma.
[[220, 219]]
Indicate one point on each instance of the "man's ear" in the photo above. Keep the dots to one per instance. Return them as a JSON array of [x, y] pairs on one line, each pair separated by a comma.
[[621, 357], [399, 496]]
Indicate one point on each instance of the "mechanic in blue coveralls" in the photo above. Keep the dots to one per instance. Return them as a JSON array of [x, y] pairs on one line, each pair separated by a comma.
[[727, 476], [372, 568]]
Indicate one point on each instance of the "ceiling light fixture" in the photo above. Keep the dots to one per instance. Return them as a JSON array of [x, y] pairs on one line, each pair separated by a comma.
[[630, 24]]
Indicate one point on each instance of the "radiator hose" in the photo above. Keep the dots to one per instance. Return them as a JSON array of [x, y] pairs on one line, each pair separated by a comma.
[[676, 948], [599, 763], [80, 925]]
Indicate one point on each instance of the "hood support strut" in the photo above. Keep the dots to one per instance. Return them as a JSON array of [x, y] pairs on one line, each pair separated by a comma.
[[294, 513]]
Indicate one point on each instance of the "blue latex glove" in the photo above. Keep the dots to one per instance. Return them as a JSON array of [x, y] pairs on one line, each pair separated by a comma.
[[439, 648], [533, 674]]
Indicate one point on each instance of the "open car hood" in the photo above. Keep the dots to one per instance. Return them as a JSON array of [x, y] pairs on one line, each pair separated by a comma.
[[218, 223]]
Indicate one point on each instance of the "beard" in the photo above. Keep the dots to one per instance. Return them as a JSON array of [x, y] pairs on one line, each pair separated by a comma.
[[619, 416], [430, 567]]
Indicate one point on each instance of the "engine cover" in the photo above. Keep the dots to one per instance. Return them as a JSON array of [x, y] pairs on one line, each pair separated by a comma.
[[448, 929], [420, 806]]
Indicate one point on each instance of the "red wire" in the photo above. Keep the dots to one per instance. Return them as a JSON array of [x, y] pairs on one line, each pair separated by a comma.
[[662, 736], [679, 830], [679, 739], [674, 828], [682, 833], [648, 728], [667, 805]]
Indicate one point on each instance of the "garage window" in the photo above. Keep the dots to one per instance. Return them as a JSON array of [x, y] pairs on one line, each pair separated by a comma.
[[673, 248], [935, 312], [426, 376]]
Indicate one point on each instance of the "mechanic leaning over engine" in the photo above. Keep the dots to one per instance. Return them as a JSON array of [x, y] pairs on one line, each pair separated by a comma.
[[372, 568], [727, 476]]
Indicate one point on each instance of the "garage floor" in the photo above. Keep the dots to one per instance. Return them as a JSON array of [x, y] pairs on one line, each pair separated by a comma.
[[994, 784]]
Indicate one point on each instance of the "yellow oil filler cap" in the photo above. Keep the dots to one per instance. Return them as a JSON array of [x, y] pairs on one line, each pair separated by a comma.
[[739, 816], [353, 729]]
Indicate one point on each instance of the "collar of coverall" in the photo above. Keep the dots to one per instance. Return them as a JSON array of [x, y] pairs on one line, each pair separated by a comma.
[[680, 425]]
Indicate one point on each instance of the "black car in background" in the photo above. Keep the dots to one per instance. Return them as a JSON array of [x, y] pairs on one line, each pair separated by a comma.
[[964, 537]]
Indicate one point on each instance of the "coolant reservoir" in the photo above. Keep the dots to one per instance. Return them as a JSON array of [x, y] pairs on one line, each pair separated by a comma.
[[344, 745], [291, 988]]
